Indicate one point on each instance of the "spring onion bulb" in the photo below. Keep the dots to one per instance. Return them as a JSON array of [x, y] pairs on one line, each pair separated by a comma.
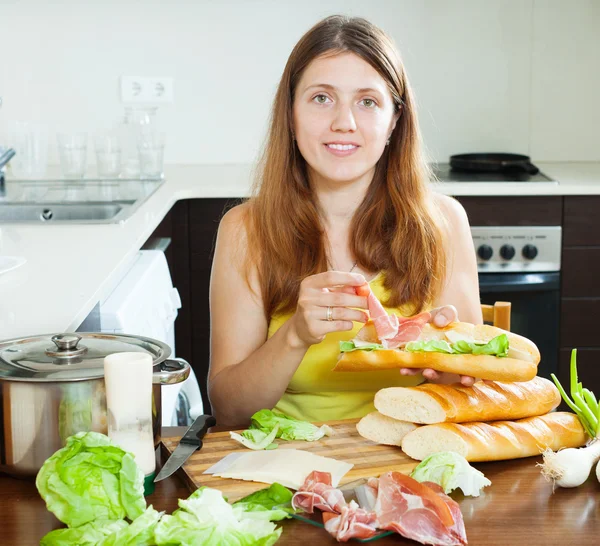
[[572, 466]]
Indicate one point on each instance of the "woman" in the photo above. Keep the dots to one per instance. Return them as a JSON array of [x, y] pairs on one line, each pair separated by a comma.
[[341, 205]]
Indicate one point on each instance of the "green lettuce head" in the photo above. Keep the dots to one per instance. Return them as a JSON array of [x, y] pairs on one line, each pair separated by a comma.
[[91, 479]]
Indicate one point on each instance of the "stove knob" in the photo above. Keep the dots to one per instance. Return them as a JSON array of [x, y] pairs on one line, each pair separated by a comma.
[[507, 252], [485, 252], [530, 252]]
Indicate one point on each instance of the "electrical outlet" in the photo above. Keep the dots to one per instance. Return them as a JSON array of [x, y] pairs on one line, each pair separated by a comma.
[[146, 90]]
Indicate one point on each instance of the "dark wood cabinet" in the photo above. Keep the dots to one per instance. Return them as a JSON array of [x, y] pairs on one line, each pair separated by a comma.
[[512, 210], [192, 225], [581, 289]]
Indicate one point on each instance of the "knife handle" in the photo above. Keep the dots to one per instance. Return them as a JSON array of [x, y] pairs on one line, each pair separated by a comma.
[[196, 432]]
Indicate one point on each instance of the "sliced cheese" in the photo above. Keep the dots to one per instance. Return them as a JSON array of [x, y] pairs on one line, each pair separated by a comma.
[[519, 355], [455, 337], [289, 467]]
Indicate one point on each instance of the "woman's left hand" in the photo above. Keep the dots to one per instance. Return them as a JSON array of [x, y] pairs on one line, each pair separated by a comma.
[[440, 317]]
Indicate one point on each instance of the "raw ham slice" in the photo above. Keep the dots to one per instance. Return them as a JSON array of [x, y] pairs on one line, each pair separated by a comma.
[[392, 330], [353, 522], [385, 325], [459, 524], [317, 492], [409, 329], [418, 512]]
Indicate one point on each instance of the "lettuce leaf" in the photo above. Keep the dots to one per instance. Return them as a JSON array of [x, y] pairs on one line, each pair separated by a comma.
[[497, 346], [451, 471], [139, 533], [289, 428], [275, 499], [206, 518], [256, 439], [91, 479], [349, 346], [88, 534], [432, 346]]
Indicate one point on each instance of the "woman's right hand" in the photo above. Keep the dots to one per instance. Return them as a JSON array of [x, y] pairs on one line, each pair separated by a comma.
[[333, 289]]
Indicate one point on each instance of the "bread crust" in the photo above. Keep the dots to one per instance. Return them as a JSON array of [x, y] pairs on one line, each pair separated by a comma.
[[491, 401], [499, 440], [481, 366]]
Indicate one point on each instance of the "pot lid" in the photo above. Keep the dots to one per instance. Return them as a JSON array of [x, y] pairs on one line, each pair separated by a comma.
[[70, 356]]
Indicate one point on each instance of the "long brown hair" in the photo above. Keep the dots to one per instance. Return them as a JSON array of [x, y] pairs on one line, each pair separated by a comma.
[[396, 228]]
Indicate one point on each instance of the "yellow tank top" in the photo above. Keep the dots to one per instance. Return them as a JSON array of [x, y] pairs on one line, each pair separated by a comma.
[[316, 393]]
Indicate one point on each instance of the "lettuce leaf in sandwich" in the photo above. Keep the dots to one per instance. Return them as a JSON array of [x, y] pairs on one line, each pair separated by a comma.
[[497, 346]]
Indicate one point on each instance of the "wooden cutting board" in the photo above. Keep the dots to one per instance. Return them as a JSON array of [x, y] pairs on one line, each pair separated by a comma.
[[369, 459]]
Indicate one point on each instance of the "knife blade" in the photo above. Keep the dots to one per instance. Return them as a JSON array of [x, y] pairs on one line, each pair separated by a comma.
[[190, 442]]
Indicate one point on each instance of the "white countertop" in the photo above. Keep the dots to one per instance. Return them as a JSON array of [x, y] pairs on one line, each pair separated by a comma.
[[70, 268]]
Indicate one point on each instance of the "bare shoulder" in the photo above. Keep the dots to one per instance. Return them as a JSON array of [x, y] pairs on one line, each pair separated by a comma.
[[232, 232], [453, 211], [234, 220]]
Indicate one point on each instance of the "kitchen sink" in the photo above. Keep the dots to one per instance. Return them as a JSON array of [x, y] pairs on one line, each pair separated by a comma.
[[81, 213]]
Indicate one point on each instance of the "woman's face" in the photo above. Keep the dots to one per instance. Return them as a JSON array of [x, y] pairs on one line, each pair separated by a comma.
[[343, 116]]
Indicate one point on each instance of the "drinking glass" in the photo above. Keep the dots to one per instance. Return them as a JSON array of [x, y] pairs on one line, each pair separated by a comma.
[[72, 150], [151, 148], [30, 141], [108, 154]]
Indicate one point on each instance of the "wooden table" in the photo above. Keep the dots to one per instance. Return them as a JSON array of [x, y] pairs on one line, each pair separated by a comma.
[[518, 509]]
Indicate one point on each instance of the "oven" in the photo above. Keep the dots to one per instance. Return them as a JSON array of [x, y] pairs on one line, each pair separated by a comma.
[[522, 265]]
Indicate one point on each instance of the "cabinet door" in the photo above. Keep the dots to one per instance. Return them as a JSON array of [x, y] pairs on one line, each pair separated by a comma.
[[513, 211], [204, 218], [582, 221], [175, 226]]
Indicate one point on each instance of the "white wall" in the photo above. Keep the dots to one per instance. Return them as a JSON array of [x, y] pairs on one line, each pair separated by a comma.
[[494, 75]]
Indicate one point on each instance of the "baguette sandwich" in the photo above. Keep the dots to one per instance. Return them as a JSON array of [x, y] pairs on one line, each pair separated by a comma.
[[498, 440], [482, 351]]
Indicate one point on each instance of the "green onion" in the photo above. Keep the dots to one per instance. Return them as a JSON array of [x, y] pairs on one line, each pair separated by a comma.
[[591, 401], [584, 403]]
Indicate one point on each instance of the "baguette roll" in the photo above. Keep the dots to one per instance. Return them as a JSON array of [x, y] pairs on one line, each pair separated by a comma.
[[383, 430], [520, 364], [499, 440], [430, 403]]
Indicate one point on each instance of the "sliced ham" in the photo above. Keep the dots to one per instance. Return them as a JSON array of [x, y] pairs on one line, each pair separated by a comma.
[[317, 492], [409, 329], [394, 331], [459, 525], [353, 522], [418, 512]]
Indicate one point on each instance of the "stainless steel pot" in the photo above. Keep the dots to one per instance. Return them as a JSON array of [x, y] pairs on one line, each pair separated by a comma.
[[52, 386]]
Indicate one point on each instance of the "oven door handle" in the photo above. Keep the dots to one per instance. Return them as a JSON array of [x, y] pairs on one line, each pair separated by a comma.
[[518, 282]]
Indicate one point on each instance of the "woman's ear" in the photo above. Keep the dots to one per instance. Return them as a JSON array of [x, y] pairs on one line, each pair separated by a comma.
[[394, 121]]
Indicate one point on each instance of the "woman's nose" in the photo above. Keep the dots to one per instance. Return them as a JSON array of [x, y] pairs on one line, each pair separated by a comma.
[[343, 119]]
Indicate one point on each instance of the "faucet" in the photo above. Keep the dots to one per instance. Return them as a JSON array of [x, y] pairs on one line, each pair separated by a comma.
[[5, 157]]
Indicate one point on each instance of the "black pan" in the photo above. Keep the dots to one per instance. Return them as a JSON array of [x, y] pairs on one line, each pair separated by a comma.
[[493, 162]]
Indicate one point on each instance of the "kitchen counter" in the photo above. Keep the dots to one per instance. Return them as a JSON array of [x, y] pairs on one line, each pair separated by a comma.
[[519, 507], [70, 268]]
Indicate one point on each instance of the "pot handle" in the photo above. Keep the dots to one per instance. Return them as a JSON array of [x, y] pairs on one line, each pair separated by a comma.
[[171, 371]]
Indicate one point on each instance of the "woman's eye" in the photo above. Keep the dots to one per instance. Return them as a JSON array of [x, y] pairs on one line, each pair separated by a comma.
[[369, 103], [321, 99]]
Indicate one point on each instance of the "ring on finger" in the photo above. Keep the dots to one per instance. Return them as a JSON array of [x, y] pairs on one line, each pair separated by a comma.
[[330, 313]]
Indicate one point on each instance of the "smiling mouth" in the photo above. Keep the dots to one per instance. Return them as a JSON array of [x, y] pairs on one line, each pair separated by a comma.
[[342, 147]]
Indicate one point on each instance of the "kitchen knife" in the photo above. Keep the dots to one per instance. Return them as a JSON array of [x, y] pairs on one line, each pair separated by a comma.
[[191, 441]]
